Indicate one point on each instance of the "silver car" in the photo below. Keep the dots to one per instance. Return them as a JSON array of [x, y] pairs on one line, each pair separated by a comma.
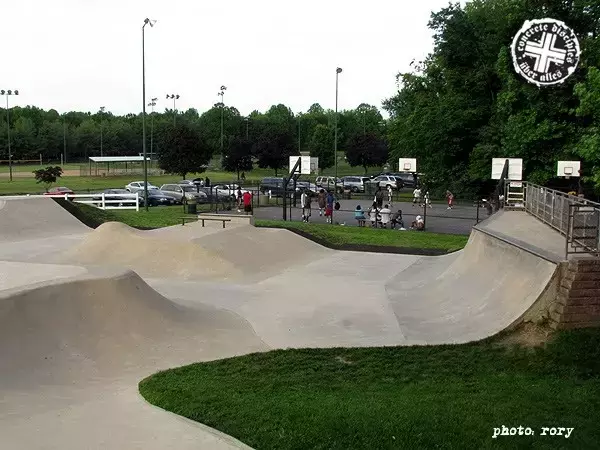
[[355, 184], [138, 186], [178, 192]]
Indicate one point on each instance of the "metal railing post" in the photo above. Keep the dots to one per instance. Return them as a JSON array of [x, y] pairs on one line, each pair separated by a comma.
[[103, 201]]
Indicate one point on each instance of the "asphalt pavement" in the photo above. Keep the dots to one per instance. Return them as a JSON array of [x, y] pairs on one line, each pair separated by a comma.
[[459, 220]]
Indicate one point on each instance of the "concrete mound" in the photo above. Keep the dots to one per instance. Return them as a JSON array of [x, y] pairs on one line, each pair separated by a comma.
[[150, 254]]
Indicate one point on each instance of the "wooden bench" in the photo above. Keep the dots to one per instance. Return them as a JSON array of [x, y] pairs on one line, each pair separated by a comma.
[[203, 219]]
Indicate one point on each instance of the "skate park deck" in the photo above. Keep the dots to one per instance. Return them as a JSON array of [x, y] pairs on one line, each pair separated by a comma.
[[86, 314]]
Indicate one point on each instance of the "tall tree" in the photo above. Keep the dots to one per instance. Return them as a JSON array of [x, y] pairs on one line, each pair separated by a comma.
[[366, 150], [238, 155], [184, 150], [321, 146]]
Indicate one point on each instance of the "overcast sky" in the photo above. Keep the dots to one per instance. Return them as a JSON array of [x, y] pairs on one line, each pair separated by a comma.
[[83, 54]]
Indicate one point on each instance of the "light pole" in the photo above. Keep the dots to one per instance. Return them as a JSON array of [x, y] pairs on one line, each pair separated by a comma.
[[64, 140], [222, 93], [246, 120], [151, 23], [174, 97], [335, 142], [299, 115], [152, 104], [102, 108], [7, 93]]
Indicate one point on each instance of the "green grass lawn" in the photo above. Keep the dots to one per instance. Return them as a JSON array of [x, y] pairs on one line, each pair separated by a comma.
[[96, 183], [339, 235], [395, 397]]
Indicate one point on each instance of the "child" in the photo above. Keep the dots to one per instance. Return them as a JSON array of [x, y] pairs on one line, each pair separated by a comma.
[[321, 201], [427, 200], [374, 214], [416, 196], [418, 224], [359, 215], [390, 195], [450, 198], [329, 207], [305, 202]]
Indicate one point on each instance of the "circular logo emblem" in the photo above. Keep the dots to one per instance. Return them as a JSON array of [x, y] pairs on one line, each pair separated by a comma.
[[545, 51]]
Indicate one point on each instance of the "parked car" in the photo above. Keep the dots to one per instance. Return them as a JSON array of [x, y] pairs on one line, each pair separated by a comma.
[[408, 178], [59, 192], [156, 197], [186, 183], [305, 186], [330, 183], [180, 192], [126, 200], [355, 183], [138, 186], [386, 180]]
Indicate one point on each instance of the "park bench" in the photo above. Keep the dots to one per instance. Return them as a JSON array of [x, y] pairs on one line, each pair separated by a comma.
[[203, 219]]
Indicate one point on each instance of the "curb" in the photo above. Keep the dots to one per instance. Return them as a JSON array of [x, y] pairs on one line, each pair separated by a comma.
[[366, 247]]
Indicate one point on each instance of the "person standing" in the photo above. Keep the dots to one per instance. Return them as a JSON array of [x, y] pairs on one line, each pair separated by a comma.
[[450, 198], [379, 197], [329, 200], [390, 195], [416, 196], [305, 202], [247, 199], [321, 200], [427, 200], [238, 198]]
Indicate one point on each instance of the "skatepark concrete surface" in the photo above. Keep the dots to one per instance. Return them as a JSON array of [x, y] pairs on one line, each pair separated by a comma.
[[86, 314]]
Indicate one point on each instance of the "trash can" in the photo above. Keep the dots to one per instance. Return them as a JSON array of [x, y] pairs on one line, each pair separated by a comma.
[[192, 206]]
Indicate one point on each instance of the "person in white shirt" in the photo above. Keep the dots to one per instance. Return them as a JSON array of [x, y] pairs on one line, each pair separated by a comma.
[[373, 215], [418, 224], [427, 200], [305, 202], [385, 215], [416, 196], [390, 194]]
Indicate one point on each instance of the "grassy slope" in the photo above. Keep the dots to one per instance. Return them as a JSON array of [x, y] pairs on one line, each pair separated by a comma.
[[394, 397], [165, 216], [370, 236]]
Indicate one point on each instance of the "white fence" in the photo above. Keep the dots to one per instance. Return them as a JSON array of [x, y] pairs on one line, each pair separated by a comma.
[[107, 201], [100, 201]]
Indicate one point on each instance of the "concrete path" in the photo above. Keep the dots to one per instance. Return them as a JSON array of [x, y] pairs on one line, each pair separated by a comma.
[[79, 329]]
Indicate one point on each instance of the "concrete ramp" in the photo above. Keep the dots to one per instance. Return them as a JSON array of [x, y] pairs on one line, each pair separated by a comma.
[[31, 218], [477, 293]]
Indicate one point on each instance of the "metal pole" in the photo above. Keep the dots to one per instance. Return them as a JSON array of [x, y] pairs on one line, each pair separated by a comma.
[[101, 137], [299, 134], [174, 114], [8, 134], [335, 142], [152, 131], [247, 129], [64, 140], [222, 111], [144, 116]]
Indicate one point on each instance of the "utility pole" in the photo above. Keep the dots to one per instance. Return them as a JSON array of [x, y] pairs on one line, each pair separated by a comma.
[[152, 104], [7, 93], [151, 23], [64, 141], [222, 93], [102, 108], [335, 142]]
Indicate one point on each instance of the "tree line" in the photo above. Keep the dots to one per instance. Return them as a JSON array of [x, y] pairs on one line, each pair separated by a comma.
[[464, 104], [186, 141]]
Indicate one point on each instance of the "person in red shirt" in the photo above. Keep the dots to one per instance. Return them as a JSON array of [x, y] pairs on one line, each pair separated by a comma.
[[247, 199]]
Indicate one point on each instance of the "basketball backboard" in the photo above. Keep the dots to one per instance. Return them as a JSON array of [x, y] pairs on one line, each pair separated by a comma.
[[308, 164], [407, 165], [568, 168], [515, 168]]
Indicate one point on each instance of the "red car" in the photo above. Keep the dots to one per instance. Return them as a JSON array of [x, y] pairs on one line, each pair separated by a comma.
[[59, 192]]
